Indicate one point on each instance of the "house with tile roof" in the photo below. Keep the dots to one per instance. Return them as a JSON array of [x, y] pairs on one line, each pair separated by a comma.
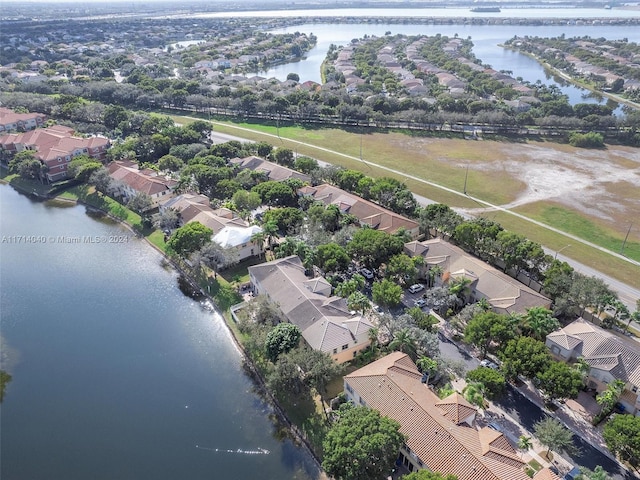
[[367, 213], [324, 319], [229, 230], [130, 181], [504, 293], [611, 357], [273, 171], [12, 122], [442, 434], [55, 147]]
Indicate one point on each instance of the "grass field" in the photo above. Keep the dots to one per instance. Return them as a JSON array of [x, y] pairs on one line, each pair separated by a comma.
[[563, 193]]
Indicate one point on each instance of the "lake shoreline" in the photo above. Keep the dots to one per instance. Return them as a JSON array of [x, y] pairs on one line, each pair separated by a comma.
[[248, 366]]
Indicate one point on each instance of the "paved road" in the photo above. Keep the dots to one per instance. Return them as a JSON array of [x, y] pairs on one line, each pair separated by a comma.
[[628, 294], [523, 414]]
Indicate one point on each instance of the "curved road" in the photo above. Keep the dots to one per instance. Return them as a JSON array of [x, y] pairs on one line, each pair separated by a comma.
[[627, 294]]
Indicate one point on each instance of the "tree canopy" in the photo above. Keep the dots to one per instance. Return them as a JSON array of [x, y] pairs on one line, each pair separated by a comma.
[[361, 445], [622, 436], [281, 339], [189, 238]]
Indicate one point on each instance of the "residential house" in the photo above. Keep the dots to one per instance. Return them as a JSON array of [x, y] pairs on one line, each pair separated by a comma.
[[504, 294], [11, 121], [442, 434], [324, 320], [240, 239], [55, 147], [229, 230], [367, 213], [273, 171], [610, 357], [129, 181]]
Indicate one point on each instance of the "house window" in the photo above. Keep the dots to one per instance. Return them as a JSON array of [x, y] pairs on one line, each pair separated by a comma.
[[354, 354], [344, 347], [362, 402], [335, 350], [634, 389], [348, 388], [252, 252]]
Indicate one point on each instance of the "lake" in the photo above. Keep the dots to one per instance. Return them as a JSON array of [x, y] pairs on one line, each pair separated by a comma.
[[116, 373], [486, 40]]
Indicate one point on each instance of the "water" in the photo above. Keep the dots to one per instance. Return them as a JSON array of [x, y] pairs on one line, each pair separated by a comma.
[[486, 40], [116, 373]]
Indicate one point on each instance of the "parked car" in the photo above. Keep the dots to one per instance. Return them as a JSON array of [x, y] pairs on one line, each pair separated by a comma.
[[418, 287], [489, 364], [572, 474], [366, 273], [420, 303]]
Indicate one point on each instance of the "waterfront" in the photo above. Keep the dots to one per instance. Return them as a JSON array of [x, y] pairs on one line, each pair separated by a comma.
[[116, 373], [486, 40]]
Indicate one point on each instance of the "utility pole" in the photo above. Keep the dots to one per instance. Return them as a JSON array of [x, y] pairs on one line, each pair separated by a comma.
[[466, 175], [626, 237]]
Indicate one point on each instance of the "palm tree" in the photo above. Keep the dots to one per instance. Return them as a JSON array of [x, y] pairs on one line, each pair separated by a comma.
[[608, 398], [404, 342], [270, 230], [373, 338], [524, 443], [358, 301], [474, 394], [434, 272], [539, 322], [259, 238], [582, 367]]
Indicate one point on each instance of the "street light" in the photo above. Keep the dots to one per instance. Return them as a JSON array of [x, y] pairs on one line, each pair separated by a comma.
[[556, 257], [466, 174]]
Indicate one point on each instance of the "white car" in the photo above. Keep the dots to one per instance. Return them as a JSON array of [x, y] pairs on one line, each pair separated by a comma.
[[420, 303], [489, 364], [366, 273], [416, 288]]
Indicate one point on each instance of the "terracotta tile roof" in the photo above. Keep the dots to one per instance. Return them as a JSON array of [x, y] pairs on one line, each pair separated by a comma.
[[365, 211], [129, 175], [392, 385], [546, 474]]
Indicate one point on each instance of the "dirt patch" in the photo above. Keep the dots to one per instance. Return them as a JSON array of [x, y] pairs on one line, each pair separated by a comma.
[[601, 184]]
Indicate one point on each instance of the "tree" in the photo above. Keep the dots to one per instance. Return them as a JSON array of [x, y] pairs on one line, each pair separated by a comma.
[[188, 239], [402, 269], [166, 220], [524, 443], [474, 393], [354, 284], [598, 473], [26, 165], [538, 322], [361, 445], [427, 366], [5, 378], [493, 381], [622, 436], [560, 380], [373, 247], [246, 201], [318, 368], [171, 163], [608, 398], [284, 156], [386, 293], [281, 339], [287, 219], [487, 328], [331, 258], [293, 76], [259, 238], [82, 167], [306, 164], [525, 356], [428, 475], [358, 301], [101, 180], [553, 435], [140, 202], [403, 341]]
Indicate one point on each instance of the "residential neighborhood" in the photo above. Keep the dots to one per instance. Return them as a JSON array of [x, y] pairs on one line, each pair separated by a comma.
[[377, 301]]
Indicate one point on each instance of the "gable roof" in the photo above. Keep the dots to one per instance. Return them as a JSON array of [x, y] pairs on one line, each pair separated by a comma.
[[195, 208], [504, 293], [324, 320], [140, 181], [365, 211], [392, 385], [601, 349], [273, 171]]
